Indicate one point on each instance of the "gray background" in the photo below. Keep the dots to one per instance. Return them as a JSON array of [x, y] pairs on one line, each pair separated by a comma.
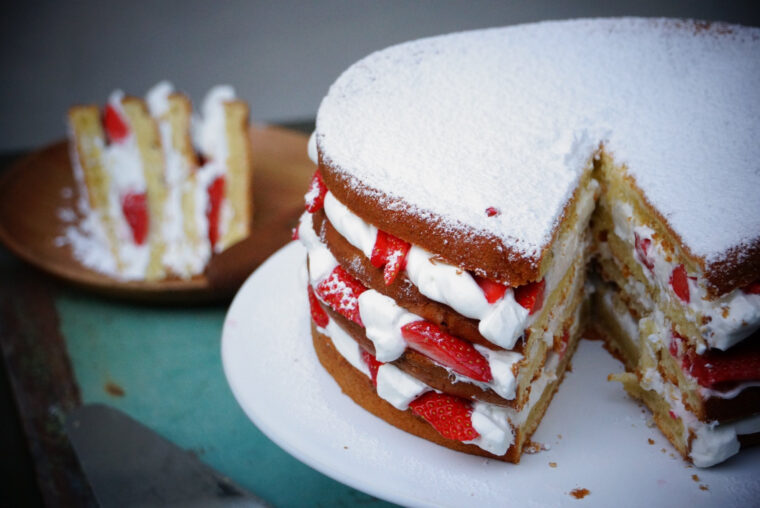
[[280, 56]]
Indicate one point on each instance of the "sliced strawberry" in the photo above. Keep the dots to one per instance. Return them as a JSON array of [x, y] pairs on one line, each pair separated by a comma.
[[455, 353], [492, 211], [116, 128], [341, 292], [213, 210], [741, 363], [315, 195], [372, 364], [318, 314], [531, 296], [642, 249], [680, 283], [450, 416], [493, 290], [134, 205], [716, 367], [389, 251], [753, 289]]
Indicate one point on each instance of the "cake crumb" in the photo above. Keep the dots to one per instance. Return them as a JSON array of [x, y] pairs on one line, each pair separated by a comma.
[[113, 389], [559, 436], [552, 464], [580, 493], [532, 447], [703, 487], [650, 441], [695, 477], [663, 450]]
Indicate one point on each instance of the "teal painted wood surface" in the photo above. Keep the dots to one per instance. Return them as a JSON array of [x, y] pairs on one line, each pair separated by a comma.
[[167, 363]]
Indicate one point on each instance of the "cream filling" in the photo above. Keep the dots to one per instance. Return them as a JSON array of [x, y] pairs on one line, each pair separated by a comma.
[[727, 320], [502, 322], [624, 319]]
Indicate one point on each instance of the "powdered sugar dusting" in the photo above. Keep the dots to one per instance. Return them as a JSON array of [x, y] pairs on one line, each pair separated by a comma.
[[449, 126]]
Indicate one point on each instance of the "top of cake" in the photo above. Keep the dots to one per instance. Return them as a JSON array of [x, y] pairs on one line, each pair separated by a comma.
[[450, 129]]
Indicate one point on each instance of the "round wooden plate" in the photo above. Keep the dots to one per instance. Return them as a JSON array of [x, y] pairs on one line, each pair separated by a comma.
[[35, 190]]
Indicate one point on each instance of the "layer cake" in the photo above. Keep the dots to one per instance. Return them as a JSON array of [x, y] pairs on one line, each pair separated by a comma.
[[467, 183]]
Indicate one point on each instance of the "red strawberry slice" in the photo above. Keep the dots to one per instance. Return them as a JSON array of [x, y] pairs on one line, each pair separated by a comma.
[[341, 292], [116, 128], [679, 281], [389, 251], [134, 206], [455, 353], [318, 314], [531, 296], [492, 211], [372, 364], [716, 367], [753, 289], [741, 363], [315, 195], [450, 416], [493, 290], [642, 249], [214, 208]]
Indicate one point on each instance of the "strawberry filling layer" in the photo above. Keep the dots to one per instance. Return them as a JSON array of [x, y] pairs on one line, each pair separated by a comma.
[[717, 369], [215, 193]]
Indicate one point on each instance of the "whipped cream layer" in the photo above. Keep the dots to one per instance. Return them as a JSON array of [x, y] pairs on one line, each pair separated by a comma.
[[383, 319], [502, 322], [723, 321]]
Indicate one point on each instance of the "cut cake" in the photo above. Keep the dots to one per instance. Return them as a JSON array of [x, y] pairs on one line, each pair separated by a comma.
[[467, 181]]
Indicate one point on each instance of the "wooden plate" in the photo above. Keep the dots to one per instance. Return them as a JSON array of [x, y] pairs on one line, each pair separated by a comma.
[[35, 189]]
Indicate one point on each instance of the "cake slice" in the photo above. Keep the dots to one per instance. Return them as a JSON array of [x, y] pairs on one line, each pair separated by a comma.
[[152, 206]]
